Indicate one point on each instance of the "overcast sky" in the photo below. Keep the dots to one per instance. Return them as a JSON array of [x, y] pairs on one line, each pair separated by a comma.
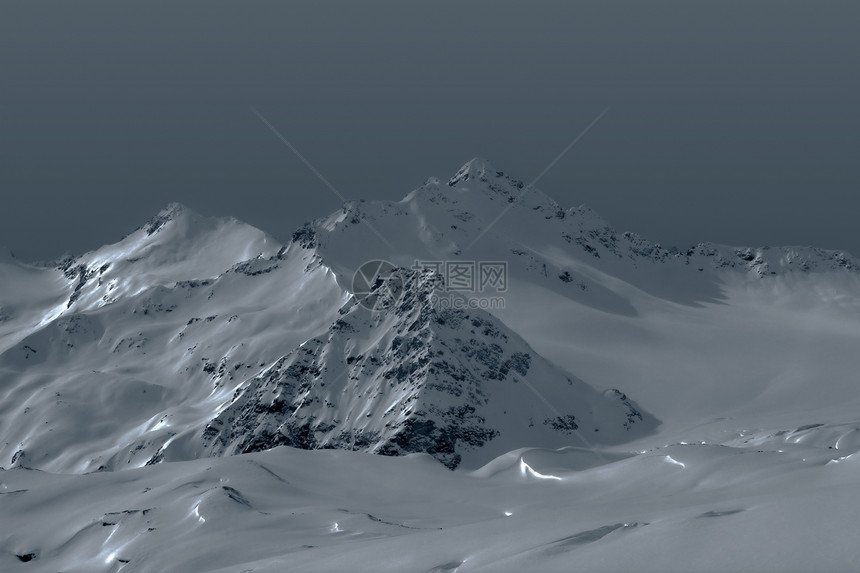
[[730, 121]]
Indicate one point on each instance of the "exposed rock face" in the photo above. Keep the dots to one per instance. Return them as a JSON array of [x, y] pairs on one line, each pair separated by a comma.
[[415, 378]]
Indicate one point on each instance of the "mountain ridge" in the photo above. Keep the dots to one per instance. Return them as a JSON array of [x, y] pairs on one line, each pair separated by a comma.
[[189, 310]]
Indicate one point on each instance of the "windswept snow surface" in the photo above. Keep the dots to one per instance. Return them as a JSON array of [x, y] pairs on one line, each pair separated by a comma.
[[693, 507], [628, 407]]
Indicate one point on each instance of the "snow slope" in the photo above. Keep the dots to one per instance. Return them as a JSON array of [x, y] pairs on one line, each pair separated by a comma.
[[679, 508], [148, 337]]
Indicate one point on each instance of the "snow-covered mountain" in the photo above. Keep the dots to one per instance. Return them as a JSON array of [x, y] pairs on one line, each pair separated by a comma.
[[609, 368], [131, 344], [195, 337], [694, 334], [482, 211], [415, 378]]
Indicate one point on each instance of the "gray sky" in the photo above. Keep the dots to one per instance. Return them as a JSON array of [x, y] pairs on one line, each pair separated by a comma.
[[730, 121]]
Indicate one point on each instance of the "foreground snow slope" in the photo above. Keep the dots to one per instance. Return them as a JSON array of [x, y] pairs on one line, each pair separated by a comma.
[[781, 506]]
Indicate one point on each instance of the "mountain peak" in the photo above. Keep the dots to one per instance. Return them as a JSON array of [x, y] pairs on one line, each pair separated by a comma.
[[172, 212], [475, 168], [6, 255], [177, 244], [481, 173], [174, 208]]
